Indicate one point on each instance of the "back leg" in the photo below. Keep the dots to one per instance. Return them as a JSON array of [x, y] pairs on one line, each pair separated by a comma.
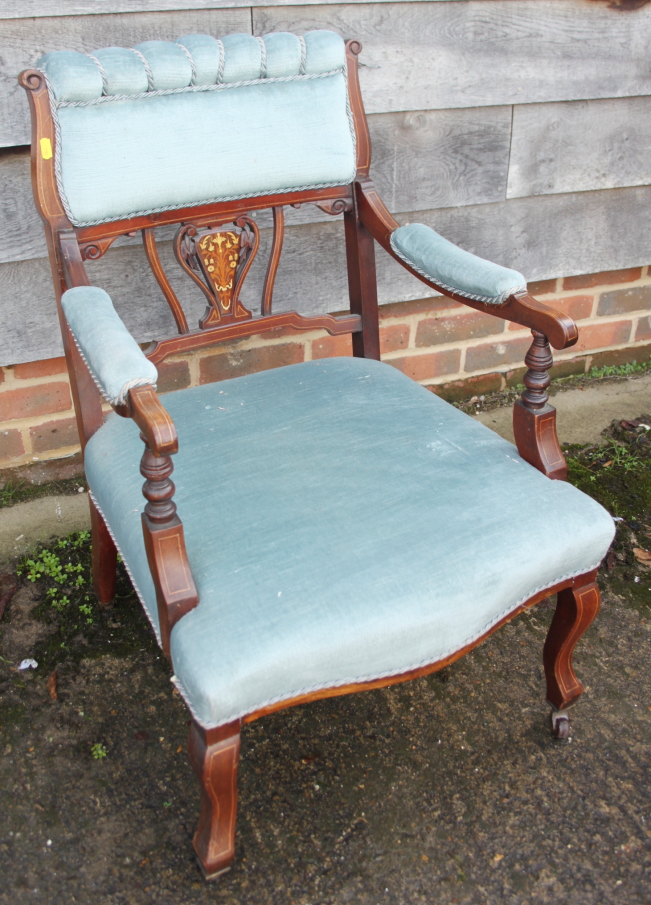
[[104, 558], [576, 607], [214, 755]]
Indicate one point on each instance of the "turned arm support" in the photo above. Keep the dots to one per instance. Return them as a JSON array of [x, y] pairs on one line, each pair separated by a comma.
[[176, 593], [460, 275], [494, 290], [127, 379]]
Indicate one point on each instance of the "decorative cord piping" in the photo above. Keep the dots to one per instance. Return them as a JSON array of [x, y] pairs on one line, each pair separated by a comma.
[[303, 55], [150, 74], [222, 62], [121, 398], [219, 86], [263, 58], [55, 104], [371, 678], [102, 72], [129, 572], [193, 67], [495, 300]]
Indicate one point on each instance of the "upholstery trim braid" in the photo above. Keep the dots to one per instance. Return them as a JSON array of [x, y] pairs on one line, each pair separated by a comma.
[[221, 86], [354, 680], [102, 72], [433, 278], [191, 62], [55, 105]]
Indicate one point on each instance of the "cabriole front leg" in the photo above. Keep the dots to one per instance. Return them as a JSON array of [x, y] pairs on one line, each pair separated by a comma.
[[576, 607], [214, 755]]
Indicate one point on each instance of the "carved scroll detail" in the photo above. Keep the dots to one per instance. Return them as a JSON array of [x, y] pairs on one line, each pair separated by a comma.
[[218, 260]]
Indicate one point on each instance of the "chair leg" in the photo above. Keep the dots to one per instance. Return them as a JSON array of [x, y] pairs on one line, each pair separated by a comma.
[[104, 557], [214, 755], [576, 607]]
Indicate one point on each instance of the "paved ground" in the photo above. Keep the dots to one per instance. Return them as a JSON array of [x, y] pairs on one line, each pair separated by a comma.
[[443, 790], [583, 413]]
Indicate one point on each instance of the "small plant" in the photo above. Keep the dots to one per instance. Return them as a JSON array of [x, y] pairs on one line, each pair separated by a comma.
[[98, 751], [631, 367]]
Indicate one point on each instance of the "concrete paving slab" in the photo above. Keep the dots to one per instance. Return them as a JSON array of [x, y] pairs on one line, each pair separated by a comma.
[[582, 414], [25, 524]]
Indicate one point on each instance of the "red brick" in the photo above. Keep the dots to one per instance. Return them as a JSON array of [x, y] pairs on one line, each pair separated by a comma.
[[620, 356], [424, 367], [235, 363], [455, 328], [418, 306], [45, 368], [11, 444], [54, 435], [578, 307], [471, 386], [331, 346], [643, 330], [494, 355], [624, 301], [541, 287], [173, 375], [606, 278], [560, 368], [394, 338], [44, 399], [596, 336]]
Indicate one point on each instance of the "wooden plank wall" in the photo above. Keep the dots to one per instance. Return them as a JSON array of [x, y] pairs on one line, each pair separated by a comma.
[[517, 128]]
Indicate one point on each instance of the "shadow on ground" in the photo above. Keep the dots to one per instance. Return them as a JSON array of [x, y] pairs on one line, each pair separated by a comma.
[[448, 789]]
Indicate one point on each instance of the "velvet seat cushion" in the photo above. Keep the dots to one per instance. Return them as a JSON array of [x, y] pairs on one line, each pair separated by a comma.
[[342, 524]]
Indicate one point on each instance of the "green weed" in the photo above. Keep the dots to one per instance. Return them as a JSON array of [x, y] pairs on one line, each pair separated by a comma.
[[98, 751], [631, 367]]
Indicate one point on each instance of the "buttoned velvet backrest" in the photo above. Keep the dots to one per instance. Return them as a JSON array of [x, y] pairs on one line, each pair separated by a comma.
[[170, 125]]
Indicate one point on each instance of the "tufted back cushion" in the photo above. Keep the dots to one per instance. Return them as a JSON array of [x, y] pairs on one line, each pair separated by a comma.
[[169, 125]]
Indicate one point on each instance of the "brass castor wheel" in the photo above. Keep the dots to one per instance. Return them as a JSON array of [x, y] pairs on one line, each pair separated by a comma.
[[560, 724]]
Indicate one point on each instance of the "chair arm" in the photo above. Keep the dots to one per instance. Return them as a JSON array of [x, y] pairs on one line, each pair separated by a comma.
[[111, 354], [452, 268], [474, 281], [146, 409]]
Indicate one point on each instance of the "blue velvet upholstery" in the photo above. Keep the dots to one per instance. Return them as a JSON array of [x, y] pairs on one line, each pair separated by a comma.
[[112, 354], [452, 268], [342, 524], [168, 125]]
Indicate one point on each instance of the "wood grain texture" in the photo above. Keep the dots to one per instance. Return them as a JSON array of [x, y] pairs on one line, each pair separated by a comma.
[[428, 56], [23, 9], [580, 146], [542, 237], [23, 41], [440, 158], [421, 160]]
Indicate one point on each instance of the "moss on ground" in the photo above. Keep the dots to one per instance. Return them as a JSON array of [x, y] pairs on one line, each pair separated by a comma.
[[617, 474], [80, 628], [17, 491]]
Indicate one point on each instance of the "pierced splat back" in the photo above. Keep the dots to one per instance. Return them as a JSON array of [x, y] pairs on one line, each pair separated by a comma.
[[266, 122]]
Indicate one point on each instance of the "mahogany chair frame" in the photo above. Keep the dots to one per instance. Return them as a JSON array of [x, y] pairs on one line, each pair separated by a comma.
[[214, 753]]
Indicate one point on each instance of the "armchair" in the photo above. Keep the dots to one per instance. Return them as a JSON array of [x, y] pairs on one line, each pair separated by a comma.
[[332, 526]]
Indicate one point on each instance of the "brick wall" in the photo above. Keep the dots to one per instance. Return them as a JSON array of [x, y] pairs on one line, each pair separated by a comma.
[[441, 344]]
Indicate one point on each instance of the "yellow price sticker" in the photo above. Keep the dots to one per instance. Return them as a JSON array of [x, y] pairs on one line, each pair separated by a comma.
[[46, 148]]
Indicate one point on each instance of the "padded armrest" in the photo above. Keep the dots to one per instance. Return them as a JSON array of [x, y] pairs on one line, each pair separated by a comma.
[[112, 355], [450, 267]]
